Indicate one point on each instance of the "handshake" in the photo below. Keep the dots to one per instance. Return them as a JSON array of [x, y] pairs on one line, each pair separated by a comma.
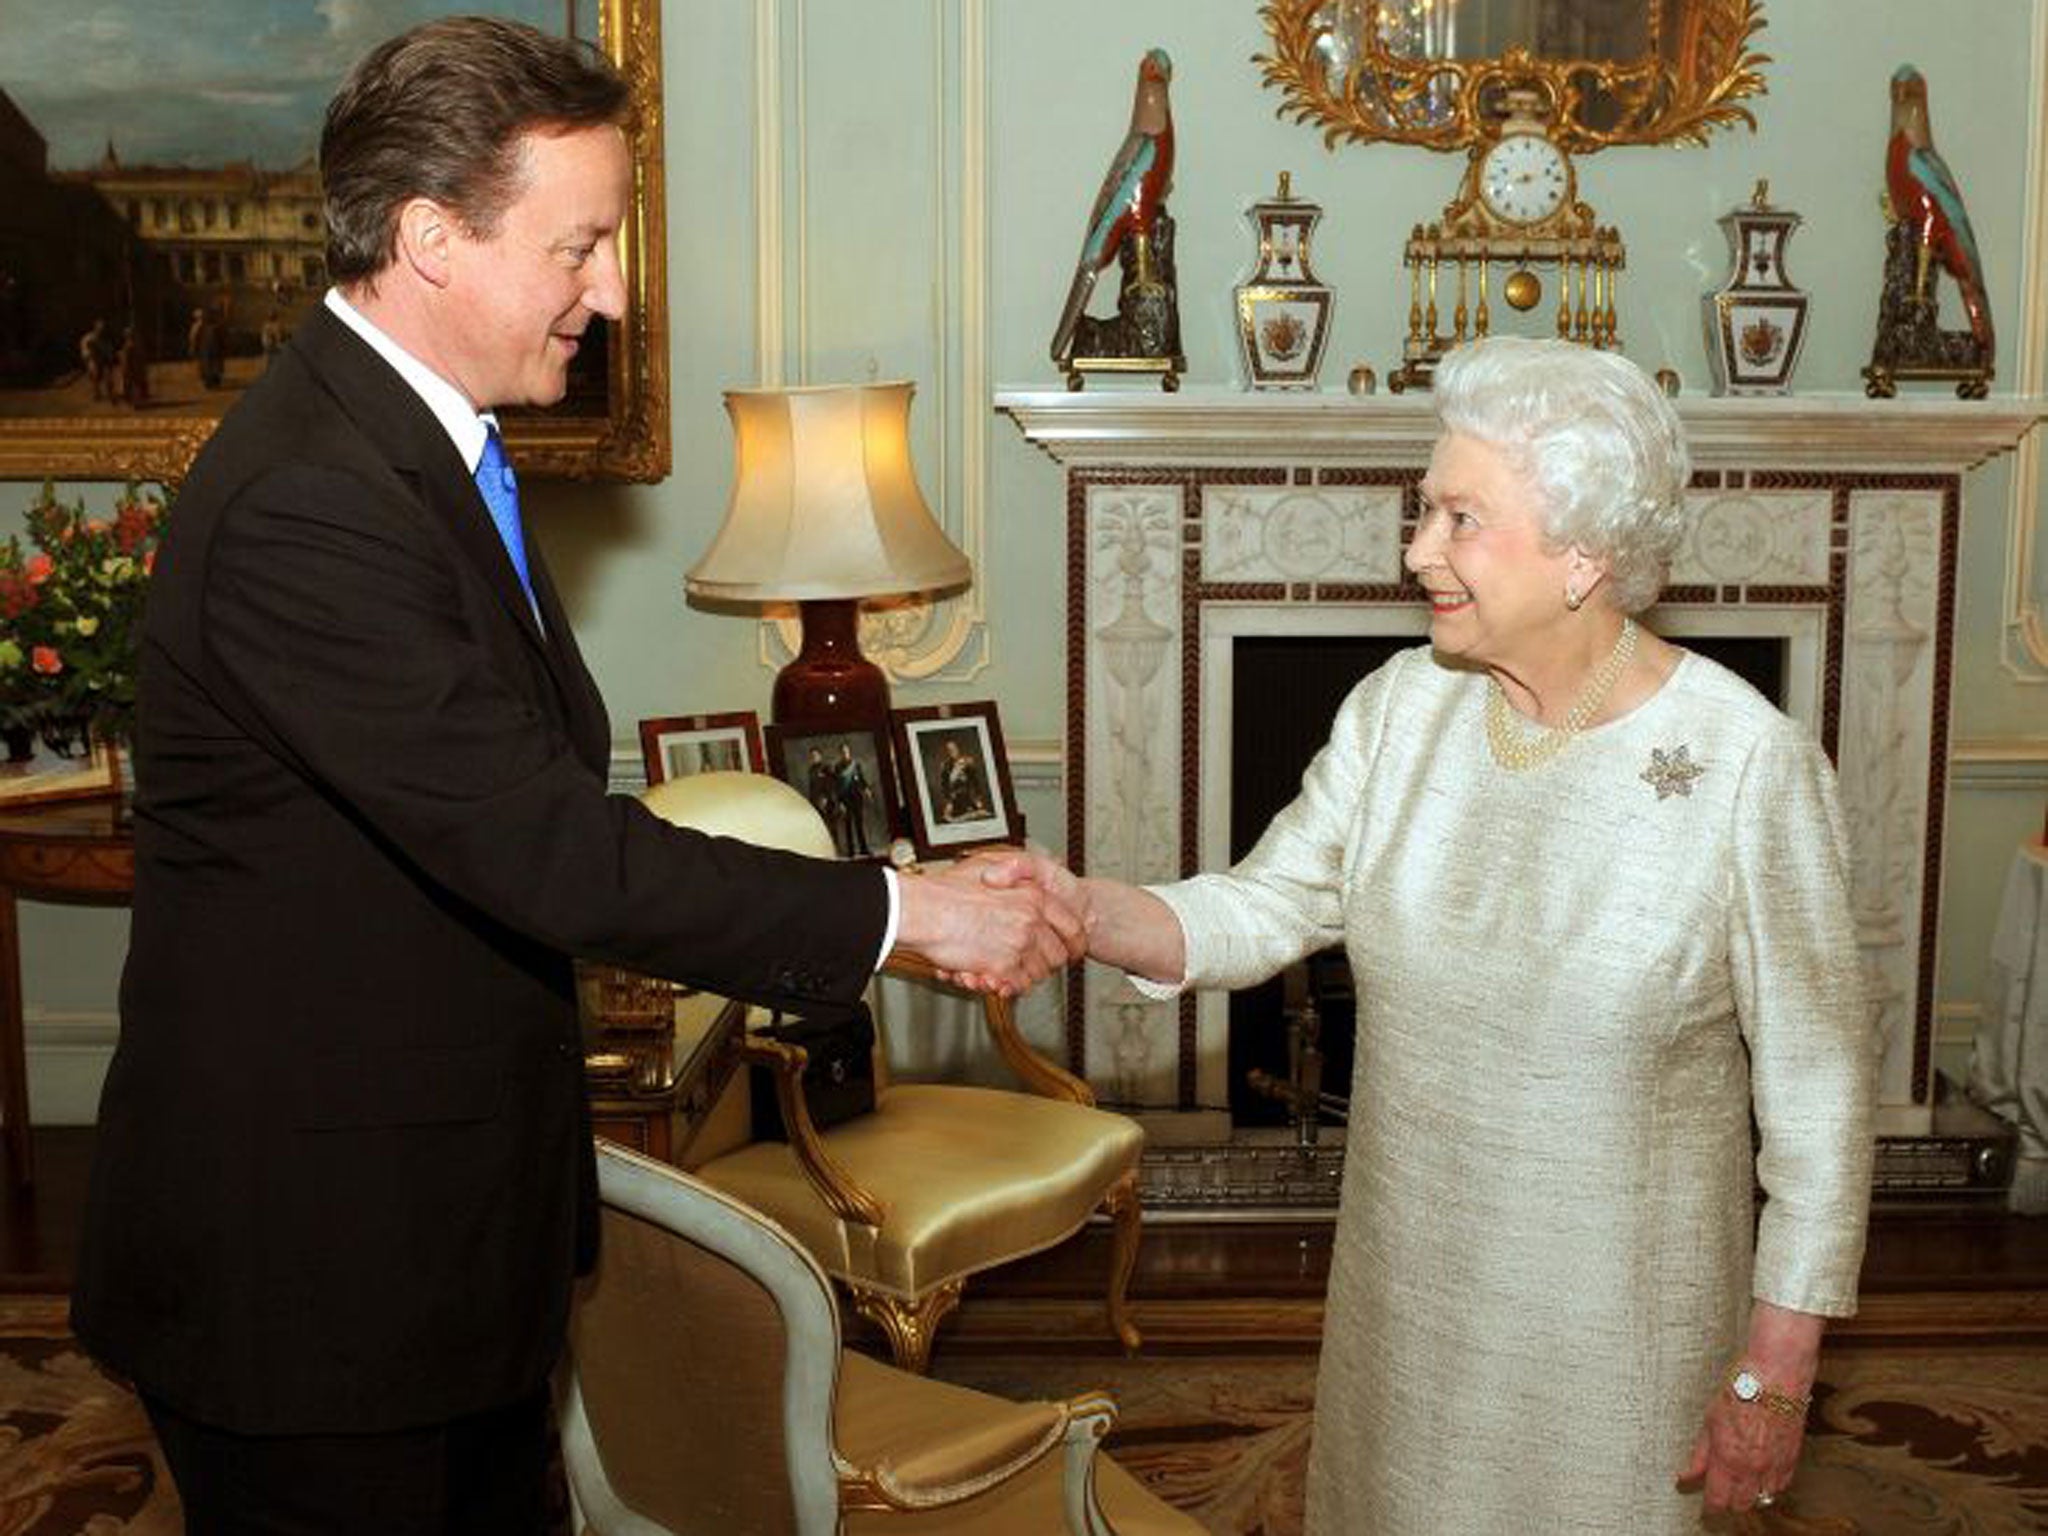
[[1000, 921], [1005, 920]]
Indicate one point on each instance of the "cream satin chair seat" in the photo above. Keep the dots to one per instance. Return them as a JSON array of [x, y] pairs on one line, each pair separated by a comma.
[[941, 1180], [706, 1393], [969, 1172]]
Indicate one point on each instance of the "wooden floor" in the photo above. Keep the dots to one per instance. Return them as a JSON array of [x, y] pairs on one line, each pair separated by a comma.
[[1932, 1272]]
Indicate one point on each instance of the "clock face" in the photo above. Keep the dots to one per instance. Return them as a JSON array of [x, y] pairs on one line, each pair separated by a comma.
[[1524, 178]]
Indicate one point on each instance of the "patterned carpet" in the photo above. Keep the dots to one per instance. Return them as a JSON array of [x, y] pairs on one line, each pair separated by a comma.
[[76, 1454], [1907, 1442]]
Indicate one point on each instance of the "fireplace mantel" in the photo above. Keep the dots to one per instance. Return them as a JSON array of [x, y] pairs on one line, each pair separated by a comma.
[[1828, 523], [1225, 426]]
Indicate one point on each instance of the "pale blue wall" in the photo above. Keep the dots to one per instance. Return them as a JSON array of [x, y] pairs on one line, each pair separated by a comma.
[[877, 269]]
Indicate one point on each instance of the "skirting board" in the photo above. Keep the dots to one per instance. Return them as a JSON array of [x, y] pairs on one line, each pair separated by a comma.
[[68, 1055]]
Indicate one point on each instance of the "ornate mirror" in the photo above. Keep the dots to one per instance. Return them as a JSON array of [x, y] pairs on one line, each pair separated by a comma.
[[1436, 72]]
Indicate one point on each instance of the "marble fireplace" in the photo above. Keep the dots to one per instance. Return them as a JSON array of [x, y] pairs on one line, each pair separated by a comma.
[[1195, 522]]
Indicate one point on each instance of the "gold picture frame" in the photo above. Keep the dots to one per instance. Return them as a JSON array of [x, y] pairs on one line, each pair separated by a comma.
[[616, 428], [46, 777]]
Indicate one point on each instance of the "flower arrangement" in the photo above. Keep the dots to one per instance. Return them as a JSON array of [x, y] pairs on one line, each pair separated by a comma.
[[71, 615]]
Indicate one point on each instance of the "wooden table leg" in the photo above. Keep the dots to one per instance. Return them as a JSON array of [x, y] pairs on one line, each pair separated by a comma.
[[13, 1049]]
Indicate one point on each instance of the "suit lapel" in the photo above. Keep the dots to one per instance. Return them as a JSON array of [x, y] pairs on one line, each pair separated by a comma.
[[589, 727], [398, 422], [384, 406]]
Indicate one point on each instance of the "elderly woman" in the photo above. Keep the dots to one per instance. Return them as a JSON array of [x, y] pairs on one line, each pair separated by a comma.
[[1593, 889]]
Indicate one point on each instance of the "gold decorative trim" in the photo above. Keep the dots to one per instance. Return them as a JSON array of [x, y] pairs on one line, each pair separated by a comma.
[[1127, 1213], [1387, 97], [1037, 1074], [909, 1325], [843, 1195]]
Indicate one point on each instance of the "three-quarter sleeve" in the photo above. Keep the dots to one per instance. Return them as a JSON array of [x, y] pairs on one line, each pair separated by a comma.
[[1284, 899], [1800, 1003]]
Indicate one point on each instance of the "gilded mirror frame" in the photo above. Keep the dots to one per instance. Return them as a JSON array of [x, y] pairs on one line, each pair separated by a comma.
[[621, 435], [1446, 103]]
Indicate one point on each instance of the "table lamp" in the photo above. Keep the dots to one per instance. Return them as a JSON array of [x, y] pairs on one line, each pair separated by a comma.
[[825, 511]]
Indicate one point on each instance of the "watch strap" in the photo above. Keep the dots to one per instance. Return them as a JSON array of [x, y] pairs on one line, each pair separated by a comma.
[[1784, 1404]]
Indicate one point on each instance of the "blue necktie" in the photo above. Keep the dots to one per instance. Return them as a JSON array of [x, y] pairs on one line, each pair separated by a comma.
[[500, 491]]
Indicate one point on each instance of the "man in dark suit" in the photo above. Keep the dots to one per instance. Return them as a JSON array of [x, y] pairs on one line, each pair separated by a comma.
[[344, 1172]]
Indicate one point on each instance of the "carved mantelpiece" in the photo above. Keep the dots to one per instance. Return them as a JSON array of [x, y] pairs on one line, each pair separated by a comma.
[[1194, 519]]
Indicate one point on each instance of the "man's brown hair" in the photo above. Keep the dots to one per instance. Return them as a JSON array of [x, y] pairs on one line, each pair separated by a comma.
[[439, 112]]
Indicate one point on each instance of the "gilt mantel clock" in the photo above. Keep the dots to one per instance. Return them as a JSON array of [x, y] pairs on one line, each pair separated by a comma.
[[1516, 219], [1525, 88]]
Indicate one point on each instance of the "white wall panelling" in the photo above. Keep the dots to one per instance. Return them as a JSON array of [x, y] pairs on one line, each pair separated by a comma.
[[849, 261]]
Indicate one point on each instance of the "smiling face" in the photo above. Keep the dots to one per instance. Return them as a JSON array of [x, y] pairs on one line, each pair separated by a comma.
[[1496, 591], [519, 300]]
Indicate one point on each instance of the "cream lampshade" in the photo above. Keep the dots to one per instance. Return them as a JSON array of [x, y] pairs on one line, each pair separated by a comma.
[[825, 511]]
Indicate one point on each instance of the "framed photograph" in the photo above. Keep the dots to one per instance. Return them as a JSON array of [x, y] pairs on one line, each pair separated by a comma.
[[847, 775], [165, 233], [956, 778], [41, 775], [681, 745]]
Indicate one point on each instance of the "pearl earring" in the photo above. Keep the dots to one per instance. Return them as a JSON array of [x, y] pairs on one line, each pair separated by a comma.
[[1572, 599]]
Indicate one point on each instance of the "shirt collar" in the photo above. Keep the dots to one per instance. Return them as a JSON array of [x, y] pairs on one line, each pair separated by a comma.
[[465, 426]]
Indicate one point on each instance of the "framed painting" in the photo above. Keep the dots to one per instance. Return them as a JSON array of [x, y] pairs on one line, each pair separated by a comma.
[[956, 778], [847, 775], [680, 745], [163, 229]]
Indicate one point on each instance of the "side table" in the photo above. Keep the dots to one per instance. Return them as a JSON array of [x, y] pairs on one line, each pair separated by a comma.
[[651, 1089], [79, 851]]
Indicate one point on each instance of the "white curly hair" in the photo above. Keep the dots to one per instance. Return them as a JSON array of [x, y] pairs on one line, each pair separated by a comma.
[[1593, 435]]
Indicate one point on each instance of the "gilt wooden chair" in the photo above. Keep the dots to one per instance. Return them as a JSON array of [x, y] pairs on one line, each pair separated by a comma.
[[941, 1180]]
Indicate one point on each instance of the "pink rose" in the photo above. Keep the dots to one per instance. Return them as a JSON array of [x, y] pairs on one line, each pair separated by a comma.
[[44, 659], [38, 568]]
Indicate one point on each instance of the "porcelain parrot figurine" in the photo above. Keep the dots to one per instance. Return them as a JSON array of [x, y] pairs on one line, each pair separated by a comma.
[[1134, 191], [1923, 195]]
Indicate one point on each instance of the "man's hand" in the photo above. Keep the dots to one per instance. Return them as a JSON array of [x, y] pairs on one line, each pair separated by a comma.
[[1121, 925], [988, 936]]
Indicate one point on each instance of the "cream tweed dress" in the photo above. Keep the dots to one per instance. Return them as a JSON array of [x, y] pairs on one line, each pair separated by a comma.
[[1574, 984]]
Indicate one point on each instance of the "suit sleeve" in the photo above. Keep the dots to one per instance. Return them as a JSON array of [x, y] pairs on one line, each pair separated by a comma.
[[335, 615]]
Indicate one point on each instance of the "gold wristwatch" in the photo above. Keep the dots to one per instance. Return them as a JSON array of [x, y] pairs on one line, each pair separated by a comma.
[[1748, 1387]]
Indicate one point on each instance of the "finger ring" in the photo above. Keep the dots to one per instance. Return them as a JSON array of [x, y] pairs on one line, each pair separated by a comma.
[[1766, 1500]]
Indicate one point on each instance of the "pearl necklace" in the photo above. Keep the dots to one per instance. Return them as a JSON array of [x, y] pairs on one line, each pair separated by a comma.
[[1515, 748]]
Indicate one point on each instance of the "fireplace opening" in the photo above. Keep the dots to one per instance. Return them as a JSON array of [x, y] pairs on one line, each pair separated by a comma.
[[1284, 692]]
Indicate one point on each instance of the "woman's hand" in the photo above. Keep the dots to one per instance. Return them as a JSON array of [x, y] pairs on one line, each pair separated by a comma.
[[1121, 925], [1746, 1452]]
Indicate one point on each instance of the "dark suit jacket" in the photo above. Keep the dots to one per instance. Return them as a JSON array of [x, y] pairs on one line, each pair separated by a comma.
[[343, 1176]]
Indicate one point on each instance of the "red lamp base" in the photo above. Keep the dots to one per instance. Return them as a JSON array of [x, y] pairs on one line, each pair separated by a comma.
[[829, 682]]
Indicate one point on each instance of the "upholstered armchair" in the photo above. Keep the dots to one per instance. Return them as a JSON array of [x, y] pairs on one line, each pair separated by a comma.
[[706, 1391], [941, 1180]]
